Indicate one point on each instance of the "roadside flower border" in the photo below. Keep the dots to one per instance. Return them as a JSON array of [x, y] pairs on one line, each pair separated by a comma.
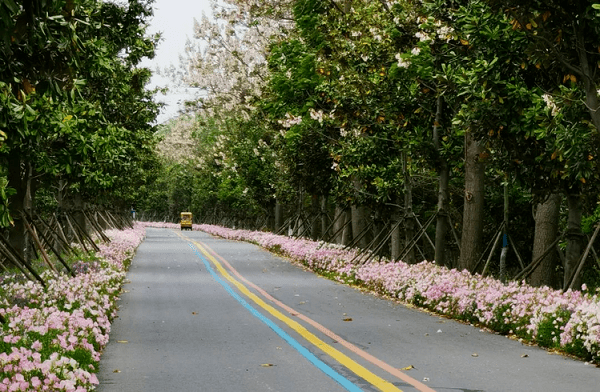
[[568, 321], [54, 336]]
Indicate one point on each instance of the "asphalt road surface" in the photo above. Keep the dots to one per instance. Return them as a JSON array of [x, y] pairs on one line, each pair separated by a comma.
[[205, 314]]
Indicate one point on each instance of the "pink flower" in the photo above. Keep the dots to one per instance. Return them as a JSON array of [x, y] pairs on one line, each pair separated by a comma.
[[37, 346], [35, 382]]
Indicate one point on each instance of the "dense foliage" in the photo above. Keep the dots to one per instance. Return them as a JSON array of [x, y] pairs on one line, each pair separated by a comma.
[[75, 115], [474, 113]]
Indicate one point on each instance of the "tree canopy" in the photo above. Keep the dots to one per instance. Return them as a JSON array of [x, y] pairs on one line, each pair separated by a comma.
[[403, 108]]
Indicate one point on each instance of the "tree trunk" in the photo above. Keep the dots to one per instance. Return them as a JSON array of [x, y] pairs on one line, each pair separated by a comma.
[[396, 241], [347, 231], [315, 208], [17, 235], [278, 216], [574, 239], [546, 231], [591, 94], [30, 189], [409, 215], [359, 219], [340, 221], [324, 219], [504, 234], [472, 233], [78, 215], [359, 224], [441, 226]]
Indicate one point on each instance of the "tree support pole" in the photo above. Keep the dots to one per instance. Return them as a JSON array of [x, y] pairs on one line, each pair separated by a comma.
[[49, 244], [534, 264], [487, 263], [417, 236], [572, 278], [20, 260], [38, 243]]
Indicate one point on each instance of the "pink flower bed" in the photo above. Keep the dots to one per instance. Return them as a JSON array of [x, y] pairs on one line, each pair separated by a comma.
[[53, 336], [568, 321]]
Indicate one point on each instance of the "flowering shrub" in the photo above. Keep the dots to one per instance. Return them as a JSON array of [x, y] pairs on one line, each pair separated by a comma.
[[567, 321], [53, 336]]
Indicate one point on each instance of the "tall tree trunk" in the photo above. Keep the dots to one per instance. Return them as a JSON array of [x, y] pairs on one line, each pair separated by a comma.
[[504, 251], [472, 233], [347, 231], [359, 224], [278, 216], [396, 242], [340, 221], [574, 239], [28, 204], [324, 219], [78, 215], [441, 226], [591, 93], [409, 215], [546, 231], [315, 208], [17, 234], [360, 218]]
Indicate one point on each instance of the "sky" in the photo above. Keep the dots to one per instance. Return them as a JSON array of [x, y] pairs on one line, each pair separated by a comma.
[[175, 20]]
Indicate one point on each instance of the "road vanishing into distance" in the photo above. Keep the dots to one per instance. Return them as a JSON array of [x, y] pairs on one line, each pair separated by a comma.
[[200, 313]]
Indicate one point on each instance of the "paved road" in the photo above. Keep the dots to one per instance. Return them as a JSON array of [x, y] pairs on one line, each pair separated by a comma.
[[205, 314]]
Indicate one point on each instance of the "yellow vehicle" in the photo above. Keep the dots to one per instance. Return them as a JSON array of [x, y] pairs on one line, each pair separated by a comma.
[[186, 220]]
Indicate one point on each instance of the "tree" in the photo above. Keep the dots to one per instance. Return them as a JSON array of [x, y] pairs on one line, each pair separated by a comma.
[[74, 105], [562, 39]]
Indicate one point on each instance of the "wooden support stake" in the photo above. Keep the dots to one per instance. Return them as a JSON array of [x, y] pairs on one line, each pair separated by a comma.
[[99, 230], [81, 241], [86, 236], [571, 280], [534, 264], [51, 246], [492, 241], [516, 251], [33, 235], [425, 231], [487, 263], [19, 260], [416, 238]]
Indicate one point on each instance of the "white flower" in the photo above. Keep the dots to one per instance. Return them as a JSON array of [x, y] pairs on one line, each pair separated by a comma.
[[550, 104], [290, 120], [445, 32], [402, 63], [422, 36], [415, 51], [316, 115]]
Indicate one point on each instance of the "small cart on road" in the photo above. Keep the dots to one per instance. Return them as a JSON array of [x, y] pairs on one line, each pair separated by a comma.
[[186, 221]]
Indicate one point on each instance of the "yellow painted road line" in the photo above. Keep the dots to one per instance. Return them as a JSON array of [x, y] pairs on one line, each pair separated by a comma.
[[370, 358], [359, 370]]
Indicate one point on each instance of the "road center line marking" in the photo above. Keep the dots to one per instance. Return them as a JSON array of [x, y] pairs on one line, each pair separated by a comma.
[[374, 360], [359, 370], [344, 382]]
